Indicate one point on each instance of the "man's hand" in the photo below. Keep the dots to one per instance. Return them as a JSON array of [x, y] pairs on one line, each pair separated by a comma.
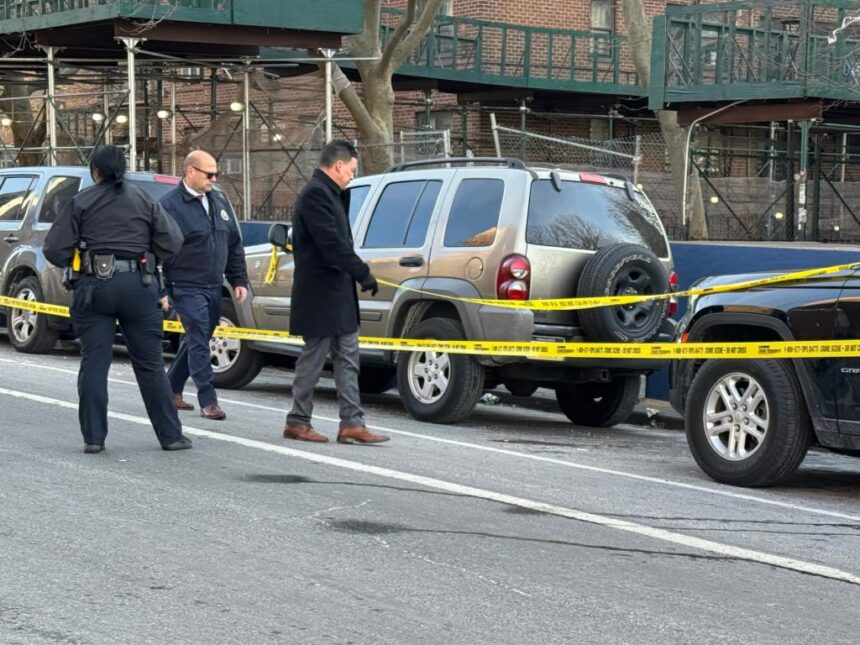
[[370, 284], [165, 303], [241, 294]]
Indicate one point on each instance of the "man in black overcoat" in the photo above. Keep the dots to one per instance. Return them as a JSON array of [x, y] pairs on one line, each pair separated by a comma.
[[324, 307]]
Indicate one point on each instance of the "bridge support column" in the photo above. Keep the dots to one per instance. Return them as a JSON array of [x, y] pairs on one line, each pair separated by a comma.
[[130, 49]]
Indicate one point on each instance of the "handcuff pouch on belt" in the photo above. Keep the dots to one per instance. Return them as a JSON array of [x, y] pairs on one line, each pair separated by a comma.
[[103, 266]]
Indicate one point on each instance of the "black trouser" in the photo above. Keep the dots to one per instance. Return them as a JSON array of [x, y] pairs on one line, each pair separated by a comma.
[[96, 307]]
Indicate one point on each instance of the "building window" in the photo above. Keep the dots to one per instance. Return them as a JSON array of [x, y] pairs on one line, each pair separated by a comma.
[[602, 22], [599, 129]]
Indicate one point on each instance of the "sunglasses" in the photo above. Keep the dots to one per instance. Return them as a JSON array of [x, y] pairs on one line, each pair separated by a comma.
[[211, 176]]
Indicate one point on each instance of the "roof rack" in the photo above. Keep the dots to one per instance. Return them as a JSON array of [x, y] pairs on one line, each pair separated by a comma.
[[507, 161]]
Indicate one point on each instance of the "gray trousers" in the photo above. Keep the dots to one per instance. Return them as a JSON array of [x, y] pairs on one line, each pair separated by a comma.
[[310, 364]]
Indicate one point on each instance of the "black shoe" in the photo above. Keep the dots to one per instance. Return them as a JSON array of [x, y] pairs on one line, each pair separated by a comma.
[[180, 444], [92, 448]]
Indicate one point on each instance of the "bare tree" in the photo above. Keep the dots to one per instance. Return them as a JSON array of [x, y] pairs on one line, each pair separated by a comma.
[[373, 110], [639, 34]]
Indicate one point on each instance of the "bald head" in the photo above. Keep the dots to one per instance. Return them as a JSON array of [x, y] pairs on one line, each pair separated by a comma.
[[201, 171]]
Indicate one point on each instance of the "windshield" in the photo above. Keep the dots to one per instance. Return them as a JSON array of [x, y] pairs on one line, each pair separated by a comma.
[[591, 216]]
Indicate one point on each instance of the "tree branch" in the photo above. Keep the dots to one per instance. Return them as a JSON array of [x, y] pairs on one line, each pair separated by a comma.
[[398, 35], [345, 91], [408, 45]]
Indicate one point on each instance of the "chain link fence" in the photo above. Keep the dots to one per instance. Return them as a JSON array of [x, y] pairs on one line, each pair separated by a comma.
[[410, 146]]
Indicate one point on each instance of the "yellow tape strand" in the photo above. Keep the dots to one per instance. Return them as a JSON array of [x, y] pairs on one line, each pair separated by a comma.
[[532, 350], [272, 272]]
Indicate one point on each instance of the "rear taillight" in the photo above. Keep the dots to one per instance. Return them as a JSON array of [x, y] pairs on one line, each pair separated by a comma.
[[673, 286], [513, 281]]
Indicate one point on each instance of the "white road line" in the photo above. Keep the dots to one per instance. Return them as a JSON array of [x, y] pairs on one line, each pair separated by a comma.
[[558, 462], [663, 535]]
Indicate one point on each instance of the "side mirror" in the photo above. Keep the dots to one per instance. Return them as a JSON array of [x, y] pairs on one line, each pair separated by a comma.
[[280, 235]]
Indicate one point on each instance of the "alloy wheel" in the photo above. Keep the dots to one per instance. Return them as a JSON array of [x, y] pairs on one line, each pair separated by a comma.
[[736, 417]]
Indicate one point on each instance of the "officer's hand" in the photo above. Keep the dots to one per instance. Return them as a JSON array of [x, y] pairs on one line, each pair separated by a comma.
[[370, 284], [241, 294], [165, 303]]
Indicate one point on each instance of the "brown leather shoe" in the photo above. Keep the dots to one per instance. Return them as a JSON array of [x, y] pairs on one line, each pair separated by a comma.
[[360, 434], [181, 404], [303, 433], [213, 412]]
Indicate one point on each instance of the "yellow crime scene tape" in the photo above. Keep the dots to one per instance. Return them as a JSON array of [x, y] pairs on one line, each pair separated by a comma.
[[550, 350], [590, 302]]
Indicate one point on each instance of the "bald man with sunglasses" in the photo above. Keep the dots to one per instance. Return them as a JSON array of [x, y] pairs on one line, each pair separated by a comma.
[[212, 251]]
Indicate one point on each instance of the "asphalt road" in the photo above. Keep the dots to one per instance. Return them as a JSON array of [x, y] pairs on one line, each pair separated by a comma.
[[514, 527]]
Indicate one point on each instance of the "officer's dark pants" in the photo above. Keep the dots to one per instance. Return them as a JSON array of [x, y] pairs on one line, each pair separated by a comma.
[[96, 306], [199, 310]]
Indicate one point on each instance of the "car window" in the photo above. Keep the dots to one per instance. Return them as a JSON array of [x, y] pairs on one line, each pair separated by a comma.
[[474, 214], [402, 215], [357, 195], [59, 193], [13, 193], [591, 216], [155, 189]]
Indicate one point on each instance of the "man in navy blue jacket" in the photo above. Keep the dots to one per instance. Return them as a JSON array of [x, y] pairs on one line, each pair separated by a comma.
[[212, 250]]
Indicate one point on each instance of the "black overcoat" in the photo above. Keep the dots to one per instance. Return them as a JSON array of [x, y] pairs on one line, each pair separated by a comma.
[[324, 299]]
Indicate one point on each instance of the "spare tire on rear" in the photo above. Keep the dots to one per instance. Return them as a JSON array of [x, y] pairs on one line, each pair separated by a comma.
[[623, 269]]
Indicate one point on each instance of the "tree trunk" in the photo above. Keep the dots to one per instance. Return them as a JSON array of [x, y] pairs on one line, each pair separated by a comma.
[[639, 38], [377, 155]]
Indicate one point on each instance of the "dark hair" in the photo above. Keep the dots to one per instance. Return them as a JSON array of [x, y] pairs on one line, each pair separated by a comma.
[[337, 151], [110, 163]]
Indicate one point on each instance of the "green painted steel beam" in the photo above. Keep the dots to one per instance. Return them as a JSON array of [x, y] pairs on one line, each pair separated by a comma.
[[330, 16]]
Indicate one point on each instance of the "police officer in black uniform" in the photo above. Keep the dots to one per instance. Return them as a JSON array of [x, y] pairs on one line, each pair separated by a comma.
[[124, 232]]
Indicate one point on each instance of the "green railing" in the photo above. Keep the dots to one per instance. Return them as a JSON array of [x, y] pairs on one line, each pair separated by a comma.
[[767, 49], [483, 51]]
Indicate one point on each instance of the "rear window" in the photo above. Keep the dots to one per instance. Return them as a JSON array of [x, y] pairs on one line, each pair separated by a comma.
[[155, 189], [591, 216], [402, 215], [474, 214]]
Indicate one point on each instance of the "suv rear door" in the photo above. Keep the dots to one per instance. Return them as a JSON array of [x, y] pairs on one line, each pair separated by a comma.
[[395, 238]]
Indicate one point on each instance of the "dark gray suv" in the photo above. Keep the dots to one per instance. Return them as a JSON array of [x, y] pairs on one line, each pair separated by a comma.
[[30, 201]]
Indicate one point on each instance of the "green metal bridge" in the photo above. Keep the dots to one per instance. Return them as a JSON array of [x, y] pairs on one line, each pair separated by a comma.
[[773, 50]]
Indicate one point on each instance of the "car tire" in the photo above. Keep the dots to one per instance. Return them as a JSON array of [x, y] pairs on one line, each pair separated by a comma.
[[623, 269], [599, 404], [734, 397], [30, 332], [376, 380], [234, 364], [449, 389]]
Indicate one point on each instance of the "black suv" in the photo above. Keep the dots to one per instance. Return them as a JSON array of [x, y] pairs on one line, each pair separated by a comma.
[[750, 422]]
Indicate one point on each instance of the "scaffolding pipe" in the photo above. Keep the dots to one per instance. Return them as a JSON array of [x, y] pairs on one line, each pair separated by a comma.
[[130, 44], [51, 113], [246, 147], [106, 108], [173, 128], [495, 130], [328, 95]]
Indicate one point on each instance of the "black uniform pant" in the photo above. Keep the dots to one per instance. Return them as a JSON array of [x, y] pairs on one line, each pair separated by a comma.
[[96, 307]]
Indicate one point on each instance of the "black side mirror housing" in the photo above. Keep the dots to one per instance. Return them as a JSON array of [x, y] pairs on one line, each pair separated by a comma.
[[280, 235]]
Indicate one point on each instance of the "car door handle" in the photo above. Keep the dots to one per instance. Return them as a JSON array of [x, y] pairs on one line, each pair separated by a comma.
[[11, 239], [412, 261]]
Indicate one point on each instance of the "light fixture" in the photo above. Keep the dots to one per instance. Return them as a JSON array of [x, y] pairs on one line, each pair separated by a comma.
[[836, 228], [277, 137], [237, 107], [6, 122], [714, 199], [163, 114], [778, 215], [98, 117], [639, 186], [121, 118]]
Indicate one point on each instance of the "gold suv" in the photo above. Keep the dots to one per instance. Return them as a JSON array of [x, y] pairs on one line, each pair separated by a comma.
[[485, 228]]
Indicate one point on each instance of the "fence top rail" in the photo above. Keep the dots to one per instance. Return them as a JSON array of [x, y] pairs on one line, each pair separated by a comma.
[[575, 144], [680, 10]]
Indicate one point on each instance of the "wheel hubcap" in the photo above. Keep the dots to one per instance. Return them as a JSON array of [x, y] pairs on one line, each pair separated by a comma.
[[224, 352], [22, 322], [736, 417], [429, 375], [633, 281]]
